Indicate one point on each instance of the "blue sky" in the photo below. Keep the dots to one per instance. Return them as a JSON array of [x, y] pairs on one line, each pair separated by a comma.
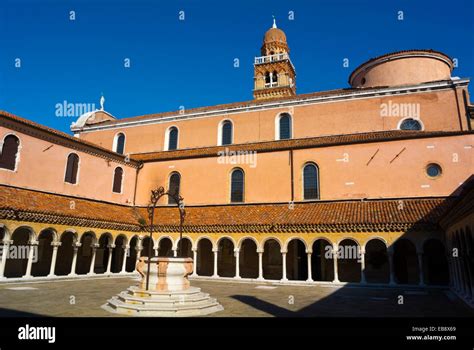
[[190, 63]]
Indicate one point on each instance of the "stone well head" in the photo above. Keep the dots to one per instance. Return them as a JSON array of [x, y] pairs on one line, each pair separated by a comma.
[[166, 274]]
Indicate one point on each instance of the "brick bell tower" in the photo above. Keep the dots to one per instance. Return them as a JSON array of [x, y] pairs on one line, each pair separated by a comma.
[[274, 74]]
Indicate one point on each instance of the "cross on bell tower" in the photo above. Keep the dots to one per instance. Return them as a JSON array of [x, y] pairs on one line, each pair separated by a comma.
[[274, 74]]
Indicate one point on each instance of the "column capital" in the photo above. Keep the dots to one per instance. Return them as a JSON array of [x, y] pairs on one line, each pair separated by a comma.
[[309, 251], [95, 245], [260, 251], [111, 246], [236, 250], [56, 244], [7, 241], [33, 242], [215, 250], [283, 251]]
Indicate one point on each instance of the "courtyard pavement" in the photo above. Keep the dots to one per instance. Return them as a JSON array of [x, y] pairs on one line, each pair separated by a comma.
[[84, 297]]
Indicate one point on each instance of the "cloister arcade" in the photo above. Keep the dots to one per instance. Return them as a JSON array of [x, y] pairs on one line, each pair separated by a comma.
[[303, 259]]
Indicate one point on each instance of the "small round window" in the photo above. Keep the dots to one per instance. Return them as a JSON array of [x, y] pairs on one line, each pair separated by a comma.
[[433, 170]]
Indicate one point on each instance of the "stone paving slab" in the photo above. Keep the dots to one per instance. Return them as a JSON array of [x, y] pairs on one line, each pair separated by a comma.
[[83, 298]]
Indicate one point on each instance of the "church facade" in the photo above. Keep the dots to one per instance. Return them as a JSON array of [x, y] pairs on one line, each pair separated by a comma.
[[370, 184]]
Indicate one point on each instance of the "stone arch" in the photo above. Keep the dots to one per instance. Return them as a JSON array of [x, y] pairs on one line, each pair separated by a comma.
[[186, 246], [17, 261], [248, 257], [288, 241], [44, 253], [262, 243], [85, 252], [435, 263], [225, 257], [165, 246], [102, 252], [4, 233], [204, 237], [405, 261], [272, 262], [241, 240], [296, 260], [205, 257], [148, 245], [118, 253], [377, 267], [322, 263], [132, 254], [68, 240], [348, 260]]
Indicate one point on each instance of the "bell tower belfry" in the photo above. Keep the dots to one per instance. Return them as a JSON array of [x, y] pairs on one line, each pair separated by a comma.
[[274, 74]]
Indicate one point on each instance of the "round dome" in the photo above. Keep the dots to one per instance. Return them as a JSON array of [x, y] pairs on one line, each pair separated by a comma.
[[274, 34], [410, 67]]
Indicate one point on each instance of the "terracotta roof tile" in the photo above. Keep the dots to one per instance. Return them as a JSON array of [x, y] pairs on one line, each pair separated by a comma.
[[312, 142], [28, 205], [78, 141]]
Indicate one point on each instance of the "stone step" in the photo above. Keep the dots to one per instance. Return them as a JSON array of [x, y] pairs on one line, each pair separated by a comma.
[[153, 293], [176, 299], [196, 309], [170, 305]]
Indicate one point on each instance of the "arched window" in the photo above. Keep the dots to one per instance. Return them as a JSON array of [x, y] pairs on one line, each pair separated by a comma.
[[284, 127], [9, 152], [119, 143], [275, 78], [173, 186], [118, 178], [410, 124], [237, 186], [172, 138], [268, 79], [72, 168], [226, 133], [310, 181]]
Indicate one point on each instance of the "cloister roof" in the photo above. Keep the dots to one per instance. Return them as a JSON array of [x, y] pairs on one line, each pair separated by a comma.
[[318, 216], [280, 145]]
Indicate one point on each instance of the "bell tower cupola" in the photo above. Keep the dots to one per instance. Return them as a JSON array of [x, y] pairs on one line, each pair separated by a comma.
[[274, 74]]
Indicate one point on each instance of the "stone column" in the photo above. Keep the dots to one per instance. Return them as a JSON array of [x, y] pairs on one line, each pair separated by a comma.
[[5, 250], [237, 263], [362, 266], [31, 252], [195, 256], [215, 262], [260, 265], [124, 261], [156, 249], [420, 268], [91, 269], [138, 249], [310, 268], [391, 265], [334, 258], [74, 259], [284, 277], [109, 258], [175, 252], [53, 259]]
